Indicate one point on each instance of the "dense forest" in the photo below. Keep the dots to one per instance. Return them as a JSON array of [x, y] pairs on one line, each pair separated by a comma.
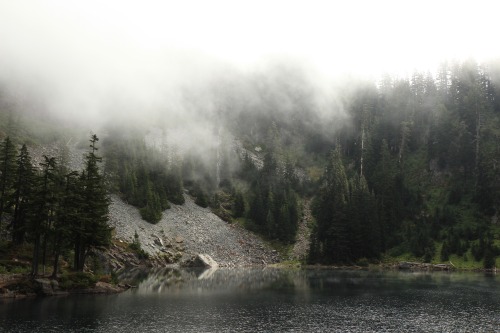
[[55, 210], [416, 173], [403, 167]]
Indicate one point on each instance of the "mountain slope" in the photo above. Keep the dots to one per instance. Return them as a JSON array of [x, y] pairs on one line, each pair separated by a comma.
[[190, 229]]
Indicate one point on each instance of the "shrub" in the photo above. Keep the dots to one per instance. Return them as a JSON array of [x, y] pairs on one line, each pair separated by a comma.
[[135, 246], [78, 280], [489, 259]]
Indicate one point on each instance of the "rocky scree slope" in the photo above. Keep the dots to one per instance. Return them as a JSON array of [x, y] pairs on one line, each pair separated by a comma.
[[187, 230], [184, 230]]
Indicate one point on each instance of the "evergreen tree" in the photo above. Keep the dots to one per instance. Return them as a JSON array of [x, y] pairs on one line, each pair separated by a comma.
[[330, 208], [153, 210], [69, 213], [364, 231], [239, 205], [257, 212], [44, 210], [7, 175], [92, 230], [23, 195]]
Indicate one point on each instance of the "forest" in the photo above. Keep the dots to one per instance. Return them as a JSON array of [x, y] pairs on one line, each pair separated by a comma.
[[58, 212], [412, 173], [405, 168]]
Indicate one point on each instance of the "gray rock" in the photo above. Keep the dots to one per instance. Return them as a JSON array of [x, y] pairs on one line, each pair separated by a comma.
[[159, 241], [48, 287], [201, 260], [229, 245]]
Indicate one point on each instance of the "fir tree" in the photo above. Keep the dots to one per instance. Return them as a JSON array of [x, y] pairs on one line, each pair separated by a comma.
[[93, 230], [44, 209], [23, 195], [7, 175]]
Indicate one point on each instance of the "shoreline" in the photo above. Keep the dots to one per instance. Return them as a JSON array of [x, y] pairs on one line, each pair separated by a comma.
[[21, 286], [400, 266]]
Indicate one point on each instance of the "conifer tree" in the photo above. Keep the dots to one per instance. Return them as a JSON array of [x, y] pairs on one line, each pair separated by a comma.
[[44, 206], [93, 230], [330, 208], [69, 212], [7, 175], [23, 195], [239, 205]]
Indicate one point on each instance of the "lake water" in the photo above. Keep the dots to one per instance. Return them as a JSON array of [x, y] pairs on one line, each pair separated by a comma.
[[271, 300]]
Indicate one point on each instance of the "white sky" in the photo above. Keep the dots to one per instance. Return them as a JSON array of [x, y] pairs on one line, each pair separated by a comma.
[[358, 36], [78, 54]]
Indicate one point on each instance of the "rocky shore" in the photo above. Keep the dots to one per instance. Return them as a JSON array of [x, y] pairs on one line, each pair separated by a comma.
[[21, 286]]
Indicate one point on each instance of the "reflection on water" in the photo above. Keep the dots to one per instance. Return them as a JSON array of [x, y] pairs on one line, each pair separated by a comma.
[[271, 300]]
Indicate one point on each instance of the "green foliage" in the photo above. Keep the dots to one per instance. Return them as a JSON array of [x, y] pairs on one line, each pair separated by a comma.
[[23, 195], [14, 267], [429, 158], [143, 179], [415, 174], [273, 208], [7, 176], [54, 209], [200, 195], [489, 258], [238, 205], [135, 246], [152, 212], [91, 230], [77, 280], [347, 228]]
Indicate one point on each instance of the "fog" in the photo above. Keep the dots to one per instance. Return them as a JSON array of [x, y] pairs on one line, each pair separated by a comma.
[[181, 65]]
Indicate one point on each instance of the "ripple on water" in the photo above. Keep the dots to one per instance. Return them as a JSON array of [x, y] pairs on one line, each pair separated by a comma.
[[273, 301]]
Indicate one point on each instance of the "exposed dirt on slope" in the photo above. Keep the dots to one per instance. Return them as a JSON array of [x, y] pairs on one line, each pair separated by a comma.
[[301, 247]]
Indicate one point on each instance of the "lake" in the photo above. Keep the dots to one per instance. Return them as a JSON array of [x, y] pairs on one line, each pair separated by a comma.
[[271, 300]]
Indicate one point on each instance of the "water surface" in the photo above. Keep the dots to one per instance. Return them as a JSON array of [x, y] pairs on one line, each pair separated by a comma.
[[271, 300]]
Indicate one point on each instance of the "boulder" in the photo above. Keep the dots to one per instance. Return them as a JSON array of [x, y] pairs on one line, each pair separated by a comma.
[[48, 287], [159, 241], [207, 261], [106, 288], [201, 260]]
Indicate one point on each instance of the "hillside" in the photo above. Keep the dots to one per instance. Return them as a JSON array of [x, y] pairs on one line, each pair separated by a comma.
[[400, 169], [189, 229]]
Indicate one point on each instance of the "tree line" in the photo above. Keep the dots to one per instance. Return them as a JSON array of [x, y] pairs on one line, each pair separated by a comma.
[[59, 212], [142, 176], [415, 172]]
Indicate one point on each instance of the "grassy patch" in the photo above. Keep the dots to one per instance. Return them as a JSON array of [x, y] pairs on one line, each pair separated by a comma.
[[466, 261], [282, 248], [14, 267], [241, 221], [314, 173], [406, 256], [289, 264]]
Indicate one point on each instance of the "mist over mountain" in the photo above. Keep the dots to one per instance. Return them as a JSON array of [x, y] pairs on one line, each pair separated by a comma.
[[358, 122], [187, 63]]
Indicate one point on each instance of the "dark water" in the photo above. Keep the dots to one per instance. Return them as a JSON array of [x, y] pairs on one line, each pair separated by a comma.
[[272, 300]]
